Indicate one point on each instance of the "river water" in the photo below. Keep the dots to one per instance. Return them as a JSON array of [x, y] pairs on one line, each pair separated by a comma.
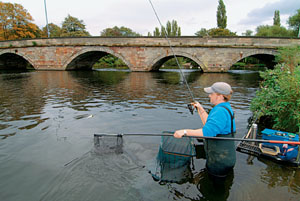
[[47, 149]]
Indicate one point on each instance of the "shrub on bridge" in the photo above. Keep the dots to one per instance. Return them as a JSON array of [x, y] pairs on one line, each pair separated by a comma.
[[279, 96]]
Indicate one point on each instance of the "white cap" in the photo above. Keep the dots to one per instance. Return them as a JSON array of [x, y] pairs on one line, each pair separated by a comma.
[[219, 87]]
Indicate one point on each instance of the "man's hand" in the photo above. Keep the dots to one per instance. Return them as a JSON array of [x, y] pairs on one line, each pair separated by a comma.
[[179, 134], [196, 105]]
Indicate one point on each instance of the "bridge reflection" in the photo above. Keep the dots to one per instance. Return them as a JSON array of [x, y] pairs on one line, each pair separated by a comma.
[[28, 96]]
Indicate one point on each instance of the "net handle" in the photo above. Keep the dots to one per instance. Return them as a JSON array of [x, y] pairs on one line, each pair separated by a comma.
[[197, 137]]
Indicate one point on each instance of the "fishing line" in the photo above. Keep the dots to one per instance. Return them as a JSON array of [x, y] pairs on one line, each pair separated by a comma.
[[172, 50]]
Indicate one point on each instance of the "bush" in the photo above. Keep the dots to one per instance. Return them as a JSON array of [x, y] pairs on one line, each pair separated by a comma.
[[279, 96]]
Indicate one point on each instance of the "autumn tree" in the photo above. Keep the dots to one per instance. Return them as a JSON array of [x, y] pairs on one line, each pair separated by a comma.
[[119, 31], [221, 15], [16, 23], [72, 26]]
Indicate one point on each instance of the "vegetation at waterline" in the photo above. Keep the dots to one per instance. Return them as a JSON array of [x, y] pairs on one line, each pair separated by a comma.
[[277, 103], [249, 63], [110, 61]]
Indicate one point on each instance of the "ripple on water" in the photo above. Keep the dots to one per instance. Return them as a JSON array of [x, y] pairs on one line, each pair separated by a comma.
[[106, 176]]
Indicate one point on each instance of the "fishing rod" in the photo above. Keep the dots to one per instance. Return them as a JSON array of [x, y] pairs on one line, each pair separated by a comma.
[[190, 107], [197, 137]]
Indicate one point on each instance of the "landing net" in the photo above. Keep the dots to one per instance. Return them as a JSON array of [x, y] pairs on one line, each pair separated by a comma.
[[108, 144], [174, 159]]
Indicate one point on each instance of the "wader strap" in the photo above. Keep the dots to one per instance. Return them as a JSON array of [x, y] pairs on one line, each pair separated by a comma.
[[232, 117]]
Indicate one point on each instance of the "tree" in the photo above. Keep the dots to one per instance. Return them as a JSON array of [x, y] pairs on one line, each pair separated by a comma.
[[276, 19], [248, 33], [202, 32], [172, 29], [221, 15], [156, 32], [273, 31], [54, 30], [119, 31], [215, 32], [16, 23], [220, 32], [294, 23], [72, 26]]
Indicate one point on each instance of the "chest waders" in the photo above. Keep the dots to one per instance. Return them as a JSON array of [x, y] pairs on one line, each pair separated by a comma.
[[220, 154]]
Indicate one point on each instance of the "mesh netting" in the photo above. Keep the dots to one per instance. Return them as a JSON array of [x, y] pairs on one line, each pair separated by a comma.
[[108, 144], [174, 159]]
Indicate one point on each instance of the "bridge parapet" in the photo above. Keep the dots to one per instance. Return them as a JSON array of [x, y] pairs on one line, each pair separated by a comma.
[[250, 42]]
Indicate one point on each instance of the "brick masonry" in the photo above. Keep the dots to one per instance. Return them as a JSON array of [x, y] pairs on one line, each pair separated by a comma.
[[212, 54]]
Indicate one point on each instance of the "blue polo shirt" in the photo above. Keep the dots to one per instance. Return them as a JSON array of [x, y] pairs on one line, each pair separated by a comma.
[[218, 121]]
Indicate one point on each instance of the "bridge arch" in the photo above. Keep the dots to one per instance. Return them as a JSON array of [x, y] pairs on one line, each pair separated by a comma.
[[160, 60], [13, 59], [87, 57], [265, 56]]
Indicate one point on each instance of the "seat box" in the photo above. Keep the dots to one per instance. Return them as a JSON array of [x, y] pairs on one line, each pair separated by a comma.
[[287, 152], [269, 134]]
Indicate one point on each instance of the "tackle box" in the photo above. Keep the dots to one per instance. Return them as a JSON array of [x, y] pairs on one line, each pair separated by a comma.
[[287, 152], [269, 134]]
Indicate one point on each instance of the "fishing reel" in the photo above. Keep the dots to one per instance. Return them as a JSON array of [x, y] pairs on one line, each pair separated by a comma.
[[191, 108]]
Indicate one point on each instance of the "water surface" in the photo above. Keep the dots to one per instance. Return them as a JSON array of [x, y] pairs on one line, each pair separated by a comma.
[[48, 119]]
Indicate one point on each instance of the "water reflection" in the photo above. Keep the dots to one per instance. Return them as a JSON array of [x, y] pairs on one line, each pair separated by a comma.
[[47, 119], [214, 188], [174, 165], [276, 176]]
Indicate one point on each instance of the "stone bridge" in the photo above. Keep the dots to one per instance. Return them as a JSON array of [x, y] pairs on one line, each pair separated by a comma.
[[212, 54]]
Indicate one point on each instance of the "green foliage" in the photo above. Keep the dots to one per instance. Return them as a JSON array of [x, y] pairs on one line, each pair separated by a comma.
[[248, 33], [294, 22], [72, 26], [290, 56], [202, 32], [276, 19], [220, 32], [54, 30], [118, 31], [172, 29], [183, 62], [172, 62], [221, 15], [279, 94], [273, 31], [215, 32], [109, 61]]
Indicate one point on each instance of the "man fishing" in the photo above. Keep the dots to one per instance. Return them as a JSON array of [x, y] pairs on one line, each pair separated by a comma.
[[220, 154]]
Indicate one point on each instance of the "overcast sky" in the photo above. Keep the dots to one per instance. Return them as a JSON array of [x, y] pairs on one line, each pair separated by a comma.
[[191, 15]]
